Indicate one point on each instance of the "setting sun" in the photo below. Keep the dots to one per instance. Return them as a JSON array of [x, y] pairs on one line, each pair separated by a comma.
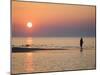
[[29, 24]]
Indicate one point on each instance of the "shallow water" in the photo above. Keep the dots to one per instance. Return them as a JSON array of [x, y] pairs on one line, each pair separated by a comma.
[[53, 60], [53, 42]]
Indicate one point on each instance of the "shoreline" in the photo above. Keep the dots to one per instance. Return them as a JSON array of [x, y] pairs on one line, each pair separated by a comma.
[[20, 49]]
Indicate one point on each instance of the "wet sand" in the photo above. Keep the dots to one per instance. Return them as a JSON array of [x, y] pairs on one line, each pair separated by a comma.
[[53, 60], [28, 49]]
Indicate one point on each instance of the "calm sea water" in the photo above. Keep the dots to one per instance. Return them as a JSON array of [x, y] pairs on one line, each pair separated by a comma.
[[53, 60], [62, 42]]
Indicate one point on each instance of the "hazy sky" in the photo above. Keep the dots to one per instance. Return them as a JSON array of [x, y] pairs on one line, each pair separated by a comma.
[[52, 19]]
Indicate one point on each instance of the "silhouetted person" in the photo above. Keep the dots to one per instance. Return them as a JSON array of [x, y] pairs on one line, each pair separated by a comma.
[[81, 43]]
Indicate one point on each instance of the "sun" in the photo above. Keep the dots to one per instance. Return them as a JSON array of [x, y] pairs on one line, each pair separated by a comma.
[[29, 24]]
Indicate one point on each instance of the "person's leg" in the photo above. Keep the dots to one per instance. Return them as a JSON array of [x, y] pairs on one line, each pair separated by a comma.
[[81, 48]]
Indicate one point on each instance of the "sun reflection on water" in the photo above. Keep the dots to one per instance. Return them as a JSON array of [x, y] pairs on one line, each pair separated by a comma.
[[29, 41], [28, 62]]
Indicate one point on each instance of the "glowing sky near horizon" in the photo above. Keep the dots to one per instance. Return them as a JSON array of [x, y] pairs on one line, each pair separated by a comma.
[[52, 19]]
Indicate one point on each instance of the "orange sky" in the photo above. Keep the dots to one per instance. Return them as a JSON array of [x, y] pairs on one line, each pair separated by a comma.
[[41, 14]]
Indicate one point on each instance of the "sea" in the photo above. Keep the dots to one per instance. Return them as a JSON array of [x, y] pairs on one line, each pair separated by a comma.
[[67, 59]]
